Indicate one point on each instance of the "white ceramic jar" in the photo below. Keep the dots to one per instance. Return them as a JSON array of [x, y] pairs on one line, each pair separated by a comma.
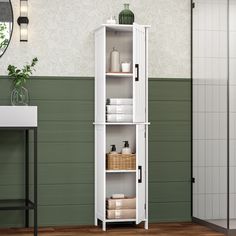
[[111, 20], [125, 67], [115, 61]]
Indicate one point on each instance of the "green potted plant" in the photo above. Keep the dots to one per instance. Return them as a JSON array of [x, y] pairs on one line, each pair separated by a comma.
[[19, 94]]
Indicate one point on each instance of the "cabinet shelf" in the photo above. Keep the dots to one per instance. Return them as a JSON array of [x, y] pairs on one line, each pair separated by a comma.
[[120, 171], [119, 74], [16, 204], [120, 220], [114, 123]]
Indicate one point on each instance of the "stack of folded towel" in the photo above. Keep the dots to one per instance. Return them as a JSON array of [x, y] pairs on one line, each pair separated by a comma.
[[119, 110]]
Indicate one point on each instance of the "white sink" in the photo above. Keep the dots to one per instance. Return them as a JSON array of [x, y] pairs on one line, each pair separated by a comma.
[[18, 116]]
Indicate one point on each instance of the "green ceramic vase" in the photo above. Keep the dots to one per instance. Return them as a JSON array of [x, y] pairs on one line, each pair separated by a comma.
[[126, 16]]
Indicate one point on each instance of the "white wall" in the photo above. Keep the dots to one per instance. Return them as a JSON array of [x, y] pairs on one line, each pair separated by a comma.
[[61, 35]]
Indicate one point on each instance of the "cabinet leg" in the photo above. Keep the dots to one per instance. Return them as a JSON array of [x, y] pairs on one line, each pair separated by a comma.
[[35, 223], [146, 224], [27, 176], [35, 184], [104, 226]]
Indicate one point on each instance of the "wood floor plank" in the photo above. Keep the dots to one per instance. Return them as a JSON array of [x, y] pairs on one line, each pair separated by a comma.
[[163, 229]]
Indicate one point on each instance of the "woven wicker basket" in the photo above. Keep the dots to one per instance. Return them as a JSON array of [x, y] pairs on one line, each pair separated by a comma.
[[121, 162]]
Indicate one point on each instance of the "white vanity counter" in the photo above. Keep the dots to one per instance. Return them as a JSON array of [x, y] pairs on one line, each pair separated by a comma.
[[18, 116]]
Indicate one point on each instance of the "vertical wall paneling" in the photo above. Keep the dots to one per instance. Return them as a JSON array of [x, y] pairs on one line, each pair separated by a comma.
[[210, 111]]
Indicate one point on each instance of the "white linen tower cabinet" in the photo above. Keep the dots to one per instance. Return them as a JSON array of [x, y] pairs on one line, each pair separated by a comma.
[[132, 43]]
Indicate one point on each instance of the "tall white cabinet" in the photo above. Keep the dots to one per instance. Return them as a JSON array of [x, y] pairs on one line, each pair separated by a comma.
[[132, 43]]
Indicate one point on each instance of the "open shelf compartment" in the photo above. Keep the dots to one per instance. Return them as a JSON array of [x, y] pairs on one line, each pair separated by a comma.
[[122, 41], [121, 181]]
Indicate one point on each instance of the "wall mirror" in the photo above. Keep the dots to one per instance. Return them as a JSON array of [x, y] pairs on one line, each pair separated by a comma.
[[6, 24]]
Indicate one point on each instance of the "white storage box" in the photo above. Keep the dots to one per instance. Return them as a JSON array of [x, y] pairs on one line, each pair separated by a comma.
[[119, 101], [121, 214], [119, 109], [122, 203], [119, 118]]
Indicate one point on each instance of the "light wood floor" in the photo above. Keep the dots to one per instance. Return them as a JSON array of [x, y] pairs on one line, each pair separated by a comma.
[[168, 229]]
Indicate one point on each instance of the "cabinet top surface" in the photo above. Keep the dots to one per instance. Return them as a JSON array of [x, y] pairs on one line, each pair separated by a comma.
[[18, 107], [119, 27], [122, 123]]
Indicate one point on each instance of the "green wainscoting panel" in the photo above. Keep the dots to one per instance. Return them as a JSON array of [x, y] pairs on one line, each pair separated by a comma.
[[55, 88], [61, 173], [8, 191], [169, 211], [65, 110], [170, 110], [64, 215], [170, 90], [11, 219], [169, 171], [170, 150], [66, 151], [11, 173], [179, 151], [65, 131], [170, 131], [11, 146], [77, 194], [169, 192]]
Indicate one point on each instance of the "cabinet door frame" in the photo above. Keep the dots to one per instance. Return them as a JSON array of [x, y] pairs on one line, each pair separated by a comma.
[[141, 173], [100, 75], [100, 129], [100, 172], [139, 73]]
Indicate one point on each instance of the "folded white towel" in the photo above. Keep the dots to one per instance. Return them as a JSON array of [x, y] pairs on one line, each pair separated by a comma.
[[119, 101], [119, 118], [119, 109]]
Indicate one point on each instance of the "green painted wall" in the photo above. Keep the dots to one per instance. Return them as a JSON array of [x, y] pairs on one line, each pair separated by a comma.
[[170, 150], [66, 168]]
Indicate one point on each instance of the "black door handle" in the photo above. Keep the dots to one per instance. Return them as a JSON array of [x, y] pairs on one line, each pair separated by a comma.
[[140, 174], [137, 72]]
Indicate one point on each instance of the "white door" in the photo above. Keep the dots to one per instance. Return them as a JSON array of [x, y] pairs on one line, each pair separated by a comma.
[[100, 172], [100, 71], [141, 173], [139, 78]]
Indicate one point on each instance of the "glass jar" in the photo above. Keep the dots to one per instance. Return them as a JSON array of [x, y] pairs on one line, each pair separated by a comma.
[[126, 16], [19, 96]]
